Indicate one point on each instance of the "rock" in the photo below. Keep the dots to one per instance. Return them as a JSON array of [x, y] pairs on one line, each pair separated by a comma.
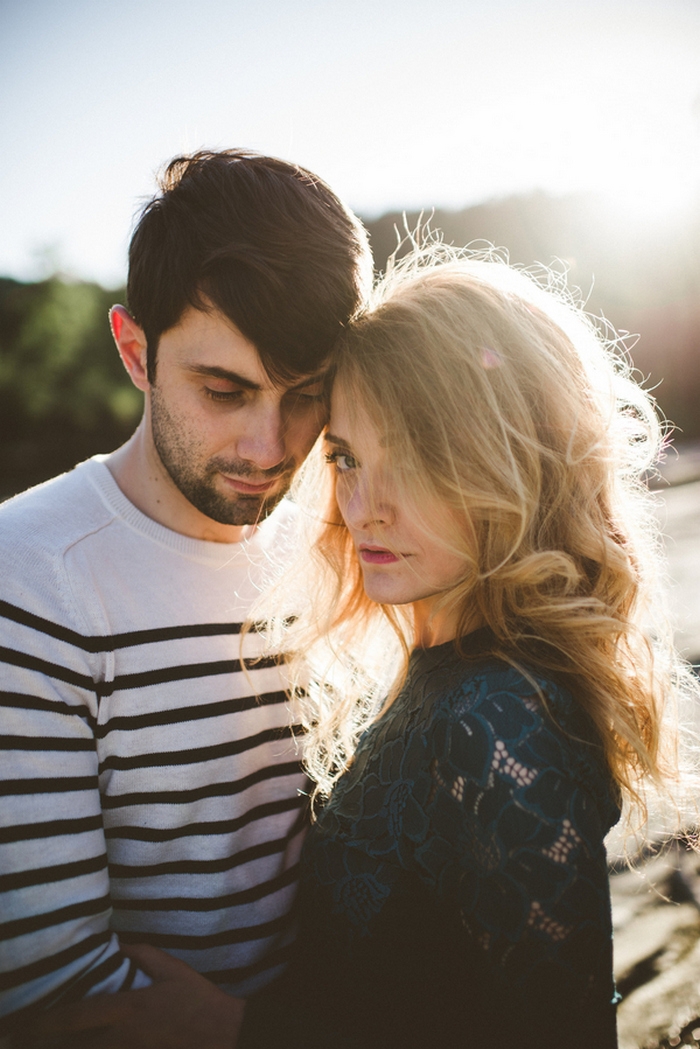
[[656, 919]]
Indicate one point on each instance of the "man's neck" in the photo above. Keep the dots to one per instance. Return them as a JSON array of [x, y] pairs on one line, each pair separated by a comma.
[[140, 474]]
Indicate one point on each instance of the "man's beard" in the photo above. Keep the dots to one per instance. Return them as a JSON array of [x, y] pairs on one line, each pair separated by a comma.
[[196, 480]]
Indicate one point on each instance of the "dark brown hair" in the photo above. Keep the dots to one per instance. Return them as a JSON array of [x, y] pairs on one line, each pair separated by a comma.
[[267, 242]]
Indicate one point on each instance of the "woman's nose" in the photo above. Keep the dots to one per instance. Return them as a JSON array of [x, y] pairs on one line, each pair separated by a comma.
[[366, 508]]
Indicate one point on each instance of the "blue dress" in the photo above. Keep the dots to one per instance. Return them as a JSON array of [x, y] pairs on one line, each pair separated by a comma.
[[454, 889]]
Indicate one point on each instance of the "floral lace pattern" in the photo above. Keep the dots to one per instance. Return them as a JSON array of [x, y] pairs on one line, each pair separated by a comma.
[[468, 797]]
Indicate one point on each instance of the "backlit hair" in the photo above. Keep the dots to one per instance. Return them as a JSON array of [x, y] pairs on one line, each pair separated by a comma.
[[496, 395]]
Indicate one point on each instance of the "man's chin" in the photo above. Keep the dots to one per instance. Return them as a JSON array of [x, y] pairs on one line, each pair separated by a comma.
[[243, 510], [250, 511]]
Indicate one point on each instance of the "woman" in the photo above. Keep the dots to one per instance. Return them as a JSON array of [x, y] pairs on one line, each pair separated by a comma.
[[486, 536]]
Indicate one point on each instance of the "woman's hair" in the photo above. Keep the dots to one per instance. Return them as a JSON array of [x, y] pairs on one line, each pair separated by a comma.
[[496, 395]]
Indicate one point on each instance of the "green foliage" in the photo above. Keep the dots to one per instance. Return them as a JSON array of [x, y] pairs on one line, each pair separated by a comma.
[[57, 359], [63, 391]]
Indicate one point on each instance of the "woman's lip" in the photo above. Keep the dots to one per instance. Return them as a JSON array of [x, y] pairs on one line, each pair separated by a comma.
[[377, 555]]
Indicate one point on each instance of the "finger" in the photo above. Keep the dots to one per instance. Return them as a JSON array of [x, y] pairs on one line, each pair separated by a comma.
[[100, 1010], [111, 1038], [157, 964], [71, 1040], [97, 1038]]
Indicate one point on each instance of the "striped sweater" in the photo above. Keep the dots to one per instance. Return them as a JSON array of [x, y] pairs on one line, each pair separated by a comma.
[[151, 783]]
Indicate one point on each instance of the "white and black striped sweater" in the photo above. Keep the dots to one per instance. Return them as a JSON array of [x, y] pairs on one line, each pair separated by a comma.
[[150, 785]]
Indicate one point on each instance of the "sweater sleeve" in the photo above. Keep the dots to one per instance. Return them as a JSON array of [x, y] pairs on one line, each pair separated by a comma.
[[55, 940], [516, 846]]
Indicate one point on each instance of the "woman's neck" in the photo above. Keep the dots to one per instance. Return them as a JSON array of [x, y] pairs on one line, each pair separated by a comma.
[[433, 627]]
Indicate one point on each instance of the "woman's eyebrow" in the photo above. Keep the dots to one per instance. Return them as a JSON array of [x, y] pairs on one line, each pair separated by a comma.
[[339, 441]]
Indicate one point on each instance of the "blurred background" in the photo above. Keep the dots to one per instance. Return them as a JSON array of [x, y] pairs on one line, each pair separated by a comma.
[[568, 134]]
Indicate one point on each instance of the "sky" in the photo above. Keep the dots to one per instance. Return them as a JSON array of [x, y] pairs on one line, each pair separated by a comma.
[[398, 104]]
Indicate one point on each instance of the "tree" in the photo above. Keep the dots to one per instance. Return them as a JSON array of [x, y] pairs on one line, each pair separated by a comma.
[[63, 392]]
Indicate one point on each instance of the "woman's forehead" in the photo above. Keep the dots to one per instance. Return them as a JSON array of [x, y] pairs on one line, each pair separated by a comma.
[[348, 413], [350, 422]]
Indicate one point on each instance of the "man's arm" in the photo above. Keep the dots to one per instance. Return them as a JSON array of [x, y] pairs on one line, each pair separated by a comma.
[[54, 884]]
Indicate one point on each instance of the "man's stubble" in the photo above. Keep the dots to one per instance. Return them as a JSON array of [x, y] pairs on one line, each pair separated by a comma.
[[195, 476]]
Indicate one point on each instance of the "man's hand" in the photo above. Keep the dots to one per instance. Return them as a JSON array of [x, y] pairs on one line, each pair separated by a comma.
[[181, 1010]]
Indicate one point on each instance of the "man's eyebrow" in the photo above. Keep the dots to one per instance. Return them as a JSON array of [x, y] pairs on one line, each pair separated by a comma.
[[240, 380], [223, 373], [339, 441]]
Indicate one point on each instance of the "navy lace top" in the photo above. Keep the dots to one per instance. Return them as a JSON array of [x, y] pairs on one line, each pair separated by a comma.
[[454, 887]]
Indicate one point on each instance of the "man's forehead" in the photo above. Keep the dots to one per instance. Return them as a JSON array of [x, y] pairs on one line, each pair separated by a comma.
[[206, 341]]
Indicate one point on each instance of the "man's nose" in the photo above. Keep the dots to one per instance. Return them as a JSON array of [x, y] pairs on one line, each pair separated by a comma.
[[263, 440]]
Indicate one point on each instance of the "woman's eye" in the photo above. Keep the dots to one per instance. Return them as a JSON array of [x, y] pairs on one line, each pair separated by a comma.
[[341, 461]]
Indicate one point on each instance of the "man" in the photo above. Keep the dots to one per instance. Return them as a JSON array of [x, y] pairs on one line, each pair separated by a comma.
[[151, 781]]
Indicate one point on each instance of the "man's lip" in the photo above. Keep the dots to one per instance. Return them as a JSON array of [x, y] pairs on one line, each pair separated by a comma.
[[246, 488]]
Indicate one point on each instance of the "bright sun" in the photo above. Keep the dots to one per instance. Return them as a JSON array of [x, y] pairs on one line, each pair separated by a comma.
[[641, 155]]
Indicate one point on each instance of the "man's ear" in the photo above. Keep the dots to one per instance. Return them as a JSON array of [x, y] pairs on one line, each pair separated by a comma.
[[131, 343]]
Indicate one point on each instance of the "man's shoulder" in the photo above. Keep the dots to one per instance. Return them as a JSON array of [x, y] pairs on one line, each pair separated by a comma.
[[55, 514], [38, 530], [70, 500]]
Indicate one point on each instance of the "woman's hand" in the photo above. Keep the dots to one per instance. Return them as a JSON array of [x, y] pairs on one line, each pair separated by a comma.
[[181, 1010]]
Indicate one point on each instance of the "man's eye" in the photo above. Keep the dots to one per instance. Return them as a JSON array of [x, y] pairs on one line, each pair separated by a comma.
[[341, 461], [222, 395]]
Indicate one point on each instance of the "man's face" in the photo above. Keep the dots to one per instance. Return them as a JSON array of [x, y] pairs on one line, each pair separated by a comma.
[[228, 437]]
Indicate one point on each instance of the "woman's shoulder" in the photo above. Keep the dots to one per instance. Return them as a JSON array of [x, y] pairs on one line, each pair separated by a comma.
[[492, 699], [514, 694], [485, 717]]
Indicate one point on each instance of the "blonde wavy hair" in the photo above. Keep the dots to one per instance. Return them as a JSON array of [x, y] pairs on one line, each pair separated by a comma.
[[504, 401]]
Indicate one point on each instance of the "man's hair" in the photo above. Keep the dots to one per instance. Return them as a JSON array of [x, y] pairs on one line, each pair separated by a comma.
[[266, 242]]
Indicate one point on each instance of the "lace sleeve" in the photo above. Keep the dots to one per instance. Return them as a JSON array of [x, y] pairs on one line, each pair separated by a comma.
[[517, 810]]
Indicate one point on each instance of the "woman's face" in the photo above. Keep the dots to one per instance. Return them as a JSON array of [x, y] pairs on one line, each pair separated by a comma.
[[404, 551]]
